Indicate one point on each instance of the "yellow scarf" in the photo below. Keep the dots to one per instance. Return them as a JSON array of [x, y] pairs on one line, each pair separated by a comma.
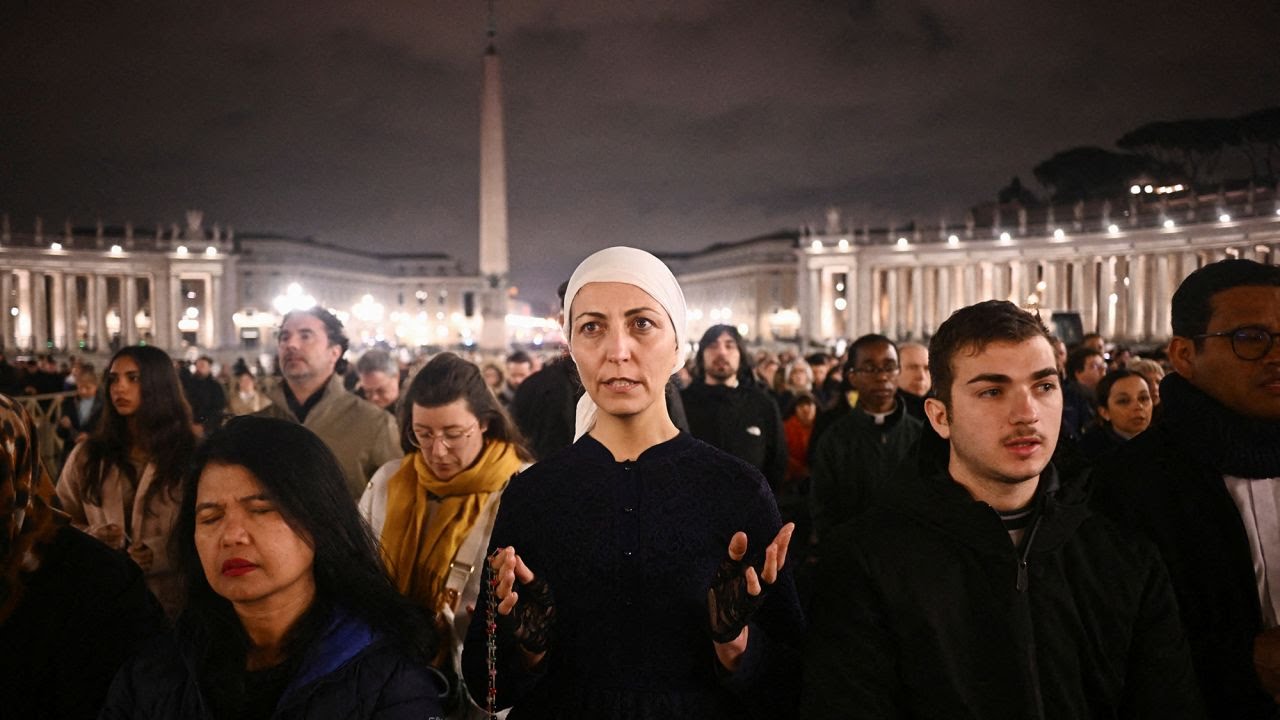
[[419, 555]]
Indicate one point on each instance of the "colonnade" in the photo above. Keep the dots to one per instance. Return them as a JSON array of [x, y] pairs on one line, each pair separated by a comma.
[[1121, 284], [69, 308]]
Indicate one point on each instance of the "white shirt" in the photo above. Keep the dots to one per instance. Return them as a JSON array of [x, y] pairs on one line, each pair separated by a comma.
[[1258, 501]]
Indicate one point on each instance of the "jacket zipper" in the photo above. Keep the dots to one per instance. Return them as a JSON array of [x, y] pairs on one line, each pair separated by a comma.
[[1023, 584]]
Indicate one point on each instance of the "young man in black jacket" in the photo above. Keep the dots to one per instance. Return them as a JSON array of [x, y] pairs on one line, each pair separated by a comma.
[[981, 586]]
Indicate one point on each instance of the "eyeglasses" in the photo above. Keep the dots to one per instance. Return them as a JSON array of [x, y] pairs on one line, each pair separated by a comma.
[[871, 370], [449, 438], [1248, 343]]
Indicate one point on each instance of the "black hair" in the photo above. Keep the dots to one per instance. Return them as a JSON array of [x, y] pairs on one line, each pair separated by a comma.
[[972, 328], [448, 378], [519, 356], [1077, 358], [1102, 393], [333, 329], [1193, 300], [866, 341], [307, 486], [746, 372], [162, 421]]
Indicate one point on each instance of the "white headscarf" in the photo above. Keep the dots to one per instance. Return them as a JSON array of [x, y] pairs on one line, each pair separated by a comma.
[[633, 267]]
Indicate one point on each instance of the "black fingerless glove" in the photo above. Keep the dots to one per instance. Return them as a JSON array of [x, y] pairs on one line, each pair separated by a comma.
[[730, 604], [532, 620]]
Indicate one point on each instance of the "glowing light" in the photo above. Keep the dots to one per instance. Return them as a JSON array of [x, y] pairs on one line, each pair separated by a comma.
[[1224, 218], [116, 249], [715, 314], [953, 240], [1059, 233], [211, 251], [816, 245], [1113, 228], [841, 303], [1148, 189], [1135, 189], [13, 311], [1169, 224], [1178, 187], [902, 242], [1005, 237], [55, 246], [839, 287], [1113, 298], [843, 244], [182, 250], [1041, 286], [193, 313], [293, 299]]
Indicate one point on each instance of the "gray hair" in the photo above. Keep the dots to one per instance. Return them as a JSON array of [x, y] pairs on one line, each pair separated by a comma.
[[378, 361]]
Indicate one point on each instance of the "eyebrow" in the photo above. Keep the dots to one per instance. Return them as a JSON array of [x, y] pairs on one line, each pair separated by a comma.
[[1000, 379], [243, 500], [598, 314]]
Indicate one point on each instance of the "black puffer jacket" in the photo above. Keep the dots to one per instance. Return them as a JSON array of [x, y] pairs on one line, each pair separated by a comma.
[[925, 609], [349, 672]]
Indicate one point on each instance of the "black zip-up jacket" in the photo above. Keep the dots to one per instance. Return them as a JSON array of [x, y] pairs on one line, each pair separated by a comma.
[[743, 421], [926, 609]]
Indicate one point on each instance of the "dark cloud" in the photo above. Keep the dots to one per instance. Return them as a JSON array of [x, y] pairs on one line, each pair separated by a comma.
[[667, 124]]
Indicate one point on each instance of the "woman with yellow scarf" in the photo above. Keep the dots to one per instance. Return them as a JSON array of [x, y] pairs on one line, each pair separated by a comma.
[[433, 511]]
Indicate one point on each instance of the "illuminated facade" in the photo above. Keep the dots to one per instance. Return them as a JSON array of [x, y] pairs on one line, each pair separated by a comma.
[[1116, 265], [97, 289]]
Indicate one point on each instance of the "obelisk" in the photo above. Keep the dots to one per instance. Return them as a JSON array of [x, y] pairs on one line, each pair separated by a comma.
[[494, 265]]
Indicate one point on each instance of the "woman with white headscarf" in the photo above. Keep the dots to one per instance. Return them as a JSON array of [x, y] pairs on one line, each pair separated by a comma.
[[639, 572]]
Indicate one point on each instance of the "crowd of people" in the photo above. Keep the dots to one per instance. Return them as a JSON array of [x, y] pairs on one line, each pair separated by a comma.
[[994, 525]]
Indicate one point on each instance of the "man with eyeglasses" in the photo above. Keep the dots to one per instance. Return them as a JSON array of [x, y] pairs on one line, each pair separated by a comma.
[[1204, 481], [858, 454]]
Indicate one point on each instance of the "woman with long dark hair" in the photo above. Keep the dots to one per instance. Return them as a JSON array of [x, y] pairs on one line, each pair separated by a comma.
[[289, 612], [639, 572], [123, 484], [434, 510]]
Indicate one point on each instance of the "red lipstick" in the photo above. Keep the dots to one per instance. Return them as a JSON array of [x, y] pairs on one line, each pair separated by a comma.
[[235, 567]]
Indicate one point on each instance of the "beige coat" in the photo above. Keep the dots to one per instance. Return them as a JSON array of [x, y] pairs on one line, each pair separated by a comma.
[[362, 435], [152, 528]]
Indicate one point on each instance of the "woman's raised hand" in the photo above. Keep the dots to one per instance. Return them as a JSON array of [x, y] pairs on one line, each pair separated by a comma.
[[736, 591], [111, 534]]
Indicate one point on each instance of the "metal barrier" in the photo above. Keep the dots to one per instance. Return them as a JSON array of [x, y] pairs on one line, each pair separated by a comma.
[[46, 411]]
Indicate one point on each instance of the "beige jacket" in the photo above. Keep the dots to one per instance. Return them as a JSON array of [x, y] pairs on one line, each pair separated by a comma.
[[152, 528], [362, 435]]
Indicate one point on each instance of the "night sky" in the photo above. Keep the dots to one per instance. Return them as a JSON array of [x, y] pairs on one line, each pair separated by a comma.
[[665, 124]]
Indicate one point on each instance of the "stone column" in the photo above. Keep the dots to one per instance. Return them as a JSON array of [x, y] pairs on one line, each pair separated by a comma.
[[874, 305], [39, 312], [227, 297], [161, 330], [176, 306], [99, 338], [7, 329], [25, 325], [1137, 326], [1018, 281], [986, 287], [971, 283], [1090, 311], [892, 321], [128, 309], [1161, 297], [810, 313], [72, 315], [1106, 286], [917, 303], [58, 311], [945, 301], [861, 301], [929, 301]]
